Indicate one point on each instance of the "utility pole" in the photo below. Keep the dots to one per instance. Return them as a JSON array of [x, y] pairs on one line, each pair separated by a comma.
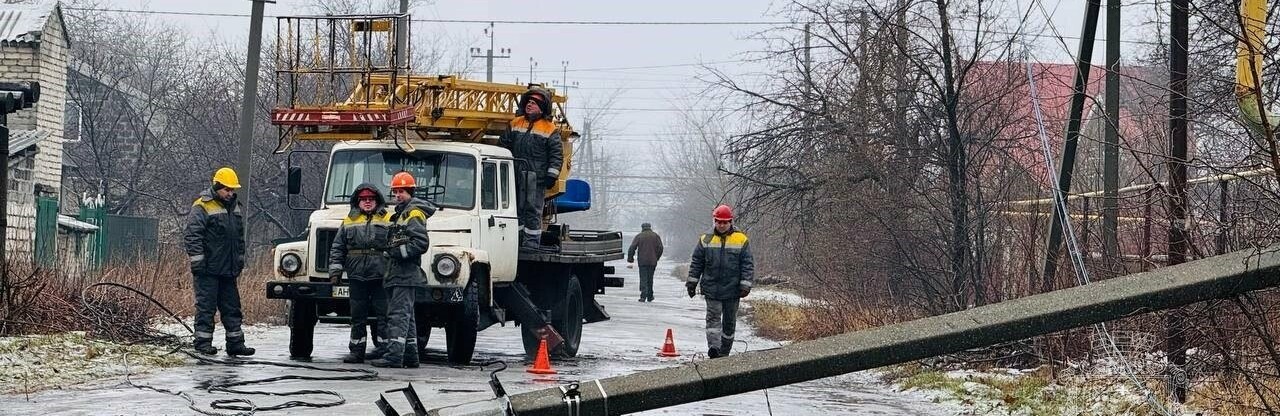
[[564, 72], [1111, 144], [1175, 325], [532, 65], [1066, 169], [488, 54], [564, 79], [248, 103]]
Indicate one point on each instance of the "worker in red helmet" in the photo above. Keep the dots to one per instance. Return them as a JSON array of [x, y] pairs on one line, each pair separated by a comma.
[[404, 273], [356, 252], [722, 265]]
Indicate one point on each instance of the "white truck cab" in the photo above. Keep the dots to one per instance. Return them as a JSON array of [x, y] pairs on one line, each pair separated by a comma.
[[473, 263]]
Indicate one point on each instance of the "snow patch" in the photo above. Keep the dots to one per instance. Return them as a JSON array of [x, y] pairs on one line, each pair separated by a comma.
[[38, 362]]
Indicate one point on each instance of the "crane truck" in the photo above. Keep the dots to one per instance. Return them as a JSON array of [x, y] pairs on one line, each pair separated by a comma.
[[444, 130]]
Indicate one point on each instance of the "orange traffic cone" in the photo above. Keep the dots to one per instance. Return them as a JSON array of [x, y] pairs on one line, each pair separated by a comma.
[[542, 364], [669, 347]]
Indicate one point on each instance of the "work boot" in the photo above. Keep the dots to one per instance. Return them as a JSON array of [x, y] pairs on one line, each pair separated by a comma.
[[354, 357], [410, 356], [237, 348], [377, 353], [206, 349], [713, 353], [726, 345], [386, 362]]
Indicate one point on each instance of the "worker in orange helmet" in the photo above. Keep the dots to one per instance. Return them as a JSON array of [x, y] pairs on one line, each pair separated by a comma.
[[404, 273], [722, 265]]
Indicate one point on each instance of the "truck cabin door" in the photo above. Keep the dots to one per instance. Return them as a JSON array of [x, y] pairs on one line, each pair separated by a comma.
[[499, 229]]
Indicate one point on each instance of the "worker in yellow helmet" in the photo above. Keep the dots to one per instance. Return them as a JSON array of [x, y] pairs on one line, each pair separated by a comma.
[[214, 239]]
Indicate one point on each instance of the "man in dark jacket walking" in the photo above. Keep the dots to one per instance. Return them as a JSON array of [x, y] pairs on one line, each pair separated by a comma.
[[534, 141], [722, 264], [649, 247], [404, 273], [214, 240], [357, 252]]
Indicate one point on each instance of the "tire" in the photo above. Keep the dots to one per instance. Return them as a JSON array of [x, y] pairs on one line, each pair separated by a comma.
[[423, 327], [460, 331], [566, 318], [302, 327]]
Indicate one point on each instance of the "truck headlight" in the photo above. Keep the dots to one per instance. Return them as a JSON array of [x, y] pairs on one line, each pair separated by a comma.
[[446, 266], [290, 264]]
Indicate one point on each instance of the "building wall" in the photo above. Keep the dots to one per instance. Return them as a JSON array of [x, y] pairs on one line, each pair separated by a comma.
[[20, 241], [51, 110]]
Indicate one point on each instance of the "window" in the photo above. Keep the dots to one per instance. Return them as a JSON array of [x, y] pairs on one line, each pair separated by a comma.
[[447, 179], [489, 187], [505, 189]]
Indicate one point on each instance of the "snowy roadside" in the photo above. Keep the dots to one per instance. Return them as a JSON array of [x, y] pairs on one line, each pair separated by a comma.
[[32, 363], [994, 391], [1027, 392]]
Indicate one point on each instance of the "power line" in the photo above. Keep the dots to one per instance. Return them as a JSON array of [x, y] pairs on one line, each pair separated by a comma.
[[606, 23], [475, 21]]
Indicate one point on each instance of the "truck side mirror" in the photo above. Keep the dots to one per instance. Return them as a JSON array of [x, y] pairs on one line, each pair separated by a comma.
[[294, 182]]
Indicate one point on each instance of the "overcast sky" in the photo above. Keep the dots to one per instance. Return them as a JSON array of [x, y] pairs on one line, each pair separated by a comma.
[[654, 66]]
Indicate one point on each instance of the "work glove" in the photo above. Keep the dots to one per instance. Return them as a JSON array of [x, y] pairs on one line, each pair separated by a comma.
[[631, 259], [746, 290], [692, 287], [547, 182], [334, 275]]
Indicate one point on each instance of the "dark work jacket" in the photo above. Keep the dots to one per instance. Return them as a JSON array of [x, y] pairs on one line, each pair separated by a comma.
[[538, 144], [406, 258], [358, 248], [723, 264], [646, 248], [214, 236]]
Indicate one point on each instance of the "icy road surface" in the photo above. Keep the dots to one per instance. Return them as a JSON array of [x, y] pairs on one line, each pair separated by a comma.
[[628, 343]]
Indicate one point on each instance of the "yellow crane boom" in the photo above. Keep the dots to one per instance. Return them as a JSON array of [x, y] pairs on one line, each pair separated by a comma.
[[317, 56]]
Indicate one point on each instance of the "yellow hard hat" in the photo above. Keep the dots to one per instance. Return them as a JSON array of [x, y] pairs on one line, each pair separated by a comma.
[[227, 178]]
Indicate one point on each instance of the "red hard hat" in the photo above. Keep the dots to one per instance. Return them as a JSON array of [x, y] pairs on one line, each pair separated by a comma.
[[722, 213], [402, 180]]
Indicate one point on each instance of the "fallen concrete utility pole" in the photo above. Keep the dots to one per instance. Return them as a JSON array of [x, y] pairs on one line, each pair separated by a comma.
[[1212, 278]]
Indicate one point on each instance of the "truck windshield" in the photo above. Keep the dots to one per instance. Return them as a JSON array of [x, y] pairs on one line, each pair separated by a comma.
[[447, 179]]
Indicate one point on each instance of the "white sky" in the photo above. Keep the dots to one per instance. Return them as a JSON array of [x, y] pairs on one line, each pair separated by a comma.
[[645, 108]]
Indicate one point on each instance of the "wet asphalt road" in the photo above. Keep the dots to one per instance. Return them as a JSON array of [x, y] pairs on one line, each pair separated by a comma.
[[628, 343]]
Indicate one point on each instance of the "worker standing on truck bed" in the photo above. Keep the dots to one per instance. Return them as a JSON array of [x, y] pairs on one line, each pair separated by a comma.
[[722, 263], [357, 252], [404, 273], [534, 141], [214, 239]]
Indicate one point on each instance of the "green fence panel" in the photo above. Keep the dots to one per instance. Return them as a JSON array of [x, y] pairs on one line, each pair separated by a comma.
[[46, 231]]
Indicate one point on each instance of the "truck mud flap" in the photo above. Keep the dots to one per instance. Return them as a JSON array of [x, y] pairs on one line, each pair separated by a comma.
[[594, 312], [515, 299]]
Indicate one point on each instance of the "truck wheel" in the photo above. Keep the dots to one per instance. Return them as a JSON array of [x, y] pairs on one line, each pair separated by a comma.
[[566, 317], [302, 327], [460, 332]]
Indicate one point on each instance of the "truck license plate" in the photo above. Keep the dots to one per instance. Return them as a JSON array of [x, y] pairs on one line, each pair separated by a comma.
[[341, 291]]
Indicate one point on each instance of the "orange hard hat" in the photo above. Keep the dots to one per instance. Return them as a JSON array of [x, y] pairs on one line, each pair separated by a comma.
[[722, 213], [402, 180]]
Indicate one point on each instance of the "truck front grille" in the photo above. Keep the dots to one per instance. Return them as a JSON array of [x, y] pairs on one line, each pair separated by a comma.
[[324, 240]]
